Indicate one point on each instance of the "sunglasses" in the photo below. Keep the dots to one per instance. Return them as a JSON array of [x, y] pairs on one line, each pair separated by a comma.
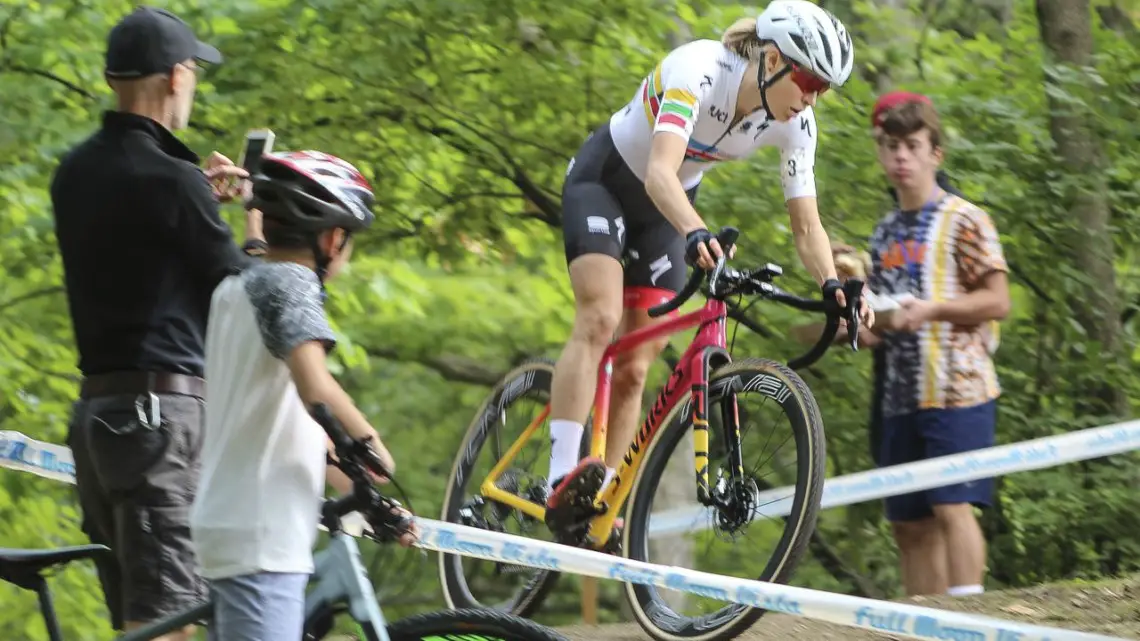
[[808, 82]]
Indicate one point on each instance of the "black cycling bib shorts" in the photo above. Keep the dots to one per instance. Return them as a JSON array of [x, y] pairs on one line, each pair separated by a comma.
[[606, 210]]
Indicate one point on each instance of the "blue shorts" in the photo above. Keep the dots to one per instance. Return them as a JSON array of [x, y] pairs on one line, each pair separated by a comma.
[[260, 606], [929, 434]]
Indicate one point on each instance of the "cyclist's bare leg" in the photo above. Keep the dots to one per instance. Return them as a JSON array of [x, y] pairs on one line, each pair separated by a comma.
[[630, 370], [597, 283]]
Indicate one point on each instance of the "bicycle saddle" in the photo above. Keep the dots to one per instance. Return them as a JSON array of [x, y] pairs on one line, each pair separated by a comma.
[[20, 566]]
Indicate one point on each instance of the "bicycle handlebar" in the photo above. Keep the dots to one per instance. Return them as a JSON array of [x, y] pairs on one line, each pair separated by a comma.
[[356, 459], [724, 281]]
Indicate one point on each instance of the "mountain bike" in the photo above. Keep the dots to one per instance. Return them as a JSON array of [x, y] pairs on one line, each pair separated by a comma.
[[339, 584], [508, 497]]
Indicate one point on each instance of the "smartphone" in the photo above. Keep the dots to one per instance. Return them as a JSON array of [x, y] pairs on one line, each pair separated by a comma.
[[258, 142]]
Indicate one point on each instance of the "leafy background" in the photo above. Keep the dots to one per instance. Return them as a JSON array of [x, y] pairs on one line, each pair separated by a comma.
[[465, 114]]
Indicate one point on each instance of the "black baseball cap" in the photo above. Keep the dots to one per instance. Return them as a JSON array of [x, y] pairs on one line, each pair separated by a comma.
[[150, 41]]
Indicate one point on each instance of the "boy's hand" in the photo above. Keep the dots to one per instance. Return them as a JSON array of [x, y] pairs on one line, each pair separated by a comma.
[[372, 439]]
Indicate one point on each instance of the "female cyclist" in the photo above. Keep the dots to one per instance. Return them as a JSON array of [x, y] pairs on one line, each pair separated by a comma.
[[628, 219]]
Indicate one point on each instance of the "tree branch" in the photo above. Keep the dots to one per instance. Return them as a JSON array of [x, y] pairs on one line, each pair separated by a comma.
[[47, 75], [89, 95], [455, 368], [514, 172], [25, 297], [71, 378]]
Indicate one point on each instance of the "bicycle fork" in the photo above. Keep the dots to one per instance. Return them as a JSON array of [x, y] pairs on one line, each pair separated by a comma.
[[730, 494]]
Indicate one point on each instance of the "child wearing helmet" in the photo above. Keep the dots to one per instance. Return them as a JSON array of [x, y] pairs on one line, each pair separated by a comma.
[[264, 469]]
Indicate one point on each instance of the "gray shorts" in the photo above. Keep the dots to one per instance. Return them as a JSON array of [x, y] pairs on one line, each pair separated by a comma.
[[258, 607], [136, 484]]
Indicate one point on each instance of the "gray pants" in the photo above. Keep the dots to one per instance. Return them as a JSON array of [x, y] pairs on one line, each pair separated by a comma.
[[136, 482], [267, 606]]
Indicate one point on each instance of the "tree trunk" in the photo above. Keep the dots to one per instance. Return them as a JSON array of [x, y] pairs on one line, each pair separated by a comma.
[[1116, 18], [1066, 31]]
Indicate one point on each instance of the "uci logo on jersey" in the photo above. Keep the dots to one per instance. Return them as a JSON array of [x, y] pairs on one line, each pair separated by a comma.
[[720, 115]]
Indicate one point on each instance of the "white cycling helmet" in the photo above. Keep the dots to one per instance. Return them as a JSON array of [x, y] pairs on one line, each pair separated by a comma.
[[811, 36]]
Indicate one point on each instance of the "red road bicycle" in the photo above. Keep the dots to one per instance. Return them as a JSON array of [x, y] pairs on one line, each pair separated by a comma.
[[509, 497]]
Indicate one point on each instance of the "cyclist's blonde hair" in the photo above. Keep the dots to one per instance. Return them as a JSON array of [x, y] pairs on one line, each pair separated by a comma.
[[741, 39]]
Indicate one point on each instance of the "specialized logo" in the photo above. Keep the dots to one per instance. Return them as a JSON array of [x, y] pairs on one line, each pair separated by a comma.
[[659, 267], [598, 224]]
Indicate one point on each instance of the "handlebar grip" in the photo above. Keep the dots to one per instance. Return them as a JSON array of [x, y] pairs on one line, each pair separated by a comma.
[[357, 452], [831, 327], [324, 417], [727, 237]]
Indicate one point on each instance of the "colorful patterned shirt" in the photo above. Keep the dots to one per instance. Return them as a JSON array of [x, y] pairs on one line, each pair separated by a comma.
[[938, 253], [692, 94]]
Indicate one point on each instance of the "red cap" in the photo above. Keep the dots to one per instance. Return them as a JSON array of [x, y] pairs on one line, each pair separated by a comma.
[[894, 99]]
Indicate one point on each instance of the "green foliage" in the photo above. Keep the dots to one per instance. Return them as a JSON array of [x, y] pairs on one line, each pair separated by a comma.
[[464, 116]]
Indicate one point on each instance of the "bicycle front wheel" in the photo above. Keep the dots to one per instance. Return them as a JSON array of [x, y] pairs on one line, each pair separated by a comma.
[[750, 491], [465, 625]]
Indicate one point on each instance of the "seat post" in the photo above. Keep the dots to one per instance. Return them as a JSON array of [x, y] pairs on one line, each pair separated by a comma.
[[39, 584]]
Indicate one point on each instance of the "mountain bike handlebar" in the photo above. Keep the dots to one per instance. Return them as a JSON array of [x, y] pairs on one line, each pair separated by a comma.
[[356, 459], [724, 281]]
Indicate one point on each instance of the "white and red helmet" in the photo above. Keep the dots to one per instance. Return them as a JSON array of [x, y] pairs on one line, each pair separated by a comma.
[[312, 191]]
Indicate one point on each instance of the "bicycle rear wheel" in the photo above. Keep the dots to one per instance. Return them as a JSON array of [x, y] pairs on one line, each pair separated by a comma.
[[515, 405], [469, 625], [683, 532]]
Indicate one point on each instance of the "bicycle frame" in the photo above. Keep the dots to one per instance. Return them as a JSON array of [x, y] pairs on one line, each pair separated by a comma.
[[690, 375]]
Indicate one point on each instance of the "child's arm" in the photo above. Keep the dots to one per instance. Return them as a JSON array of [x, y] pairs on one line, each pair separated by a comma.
[[315, 384], [286, 298], [334, 477]]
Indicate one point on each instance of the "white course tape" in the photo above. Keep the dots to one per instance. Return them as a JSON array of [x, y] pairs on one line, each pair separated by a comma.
[[1039, 453], [19, 452], [880, 616]]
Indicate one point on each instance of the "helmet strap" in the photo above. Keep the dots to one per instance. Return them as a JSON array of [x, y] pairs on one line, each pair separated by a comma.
[[764, 84], [322, 259]]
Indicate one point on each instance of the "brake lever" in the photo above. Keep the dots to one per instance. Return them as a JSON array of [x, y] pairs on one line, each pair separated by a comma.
[[726, 239], [853, 293]]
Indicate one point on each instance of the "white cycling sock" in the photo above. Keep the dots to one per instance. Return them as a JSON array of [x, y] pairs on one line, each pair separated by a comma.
[[609, 475], [965, 590], [565, 441]]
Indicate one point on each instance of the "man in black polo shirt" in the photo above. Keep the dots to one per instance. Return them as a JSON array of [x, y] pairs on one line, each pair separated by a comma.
[[143, 247]]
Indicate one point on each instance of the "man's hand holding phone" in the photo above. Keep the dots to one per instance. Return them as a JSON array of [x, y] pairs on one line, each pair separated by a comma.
[[225, 177]]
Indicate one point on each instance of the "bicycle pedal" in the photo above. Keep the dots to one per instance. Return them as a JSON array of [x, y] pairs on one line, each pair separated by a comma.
[[575, 535]]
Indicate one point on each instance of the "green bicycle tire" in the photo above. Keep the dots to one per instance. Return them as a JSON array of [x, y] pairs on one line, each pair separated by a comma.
[[470, 625]]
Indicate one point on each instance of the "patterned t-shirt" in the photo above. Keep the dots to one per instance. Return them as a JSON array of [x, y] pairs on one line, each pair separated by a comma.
[[263, 455], [938, 253]]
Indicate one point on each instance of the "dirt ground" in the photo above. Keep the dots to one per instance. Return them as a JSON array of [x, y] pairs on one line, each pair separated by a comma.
[[1110, 607]]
